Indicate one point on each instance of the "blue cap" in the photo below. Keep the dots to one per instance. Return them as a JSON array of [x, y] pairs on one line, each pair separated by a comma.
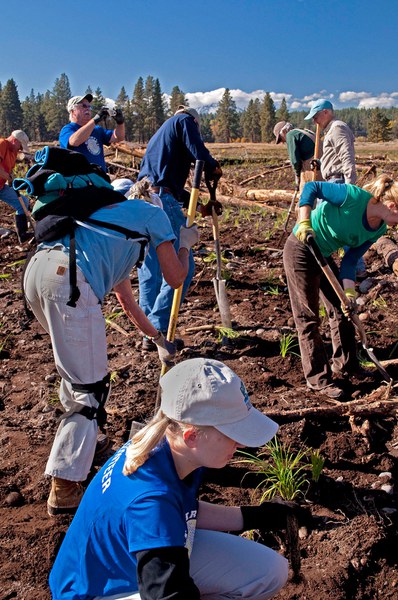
[[317, 107]]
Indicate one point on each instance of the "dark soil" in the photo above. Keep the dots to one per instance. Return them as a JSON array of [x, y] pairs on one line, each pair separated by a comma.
[[350, 550]]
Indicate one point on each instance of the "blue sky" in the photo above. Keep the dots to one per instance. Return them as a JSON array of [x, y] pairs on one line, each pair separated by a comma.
[[346, 50]]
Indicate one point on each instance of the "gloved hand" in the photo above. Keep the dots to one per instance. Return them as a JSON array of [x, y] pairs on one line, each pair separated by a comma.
[[102, 114], [349, 309], [213, 173], [189, 236], [316, 164], [206, 209], [304, 228], [272, 516], [118, 116], [166, 349]]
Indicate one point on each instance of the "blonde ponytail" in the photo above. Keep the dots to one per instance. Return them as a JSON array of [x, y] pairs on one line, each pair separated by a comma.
[[383, 188], [146, 440]]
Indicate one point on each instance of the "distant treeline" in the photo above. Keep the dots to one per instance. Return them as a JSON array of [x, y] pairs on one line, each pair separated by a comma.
[[43, 115]]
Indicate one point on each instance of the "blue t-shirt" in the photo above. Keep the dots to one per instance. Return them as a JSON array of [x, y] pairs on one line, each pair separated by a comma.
[[93, 148], [120, 515], [171, 151], [107, 258]]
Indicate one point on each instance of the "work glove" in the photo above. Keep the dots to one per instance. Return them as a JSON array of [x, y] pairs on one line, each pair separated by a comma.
[[189, 236], [206, 209], [315, 164], [272, 516], [213, 173], [304, 228], [118, 116], [349, 309], [166, 349], [102, 114]]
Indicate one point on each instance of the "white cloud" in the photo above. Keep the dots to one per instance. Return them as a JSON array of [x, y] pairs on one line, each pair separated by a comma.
[[353, 97], [208, 101]]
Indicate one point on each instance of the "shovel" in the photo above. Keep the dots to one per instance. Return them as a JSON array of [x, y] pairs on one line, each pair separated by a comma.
[[218, 282], [334, 282]]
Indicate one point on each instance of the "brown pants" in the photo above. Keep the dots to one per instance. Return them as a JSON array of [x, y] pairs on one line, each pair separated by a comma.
[[307, 285]]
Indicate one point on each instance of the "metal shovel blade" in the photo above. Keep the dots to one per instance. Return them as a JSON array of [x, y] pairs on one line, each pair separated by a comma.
[[222, 302]]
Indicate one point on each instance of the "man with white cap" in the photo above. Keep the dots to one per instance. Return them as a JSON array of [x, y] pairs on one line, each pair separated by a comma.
[[84, 134], [140, 531], [9, 148], [338, 157], [300, 147], [166, 163]]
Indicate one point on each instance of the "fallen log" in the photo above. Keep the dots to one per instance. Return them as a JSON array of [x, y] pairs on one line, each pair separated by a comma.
[[264, 174], [123, 167], [137, 152], [353, 408], [263, 195], [388, 249], [229, 200]]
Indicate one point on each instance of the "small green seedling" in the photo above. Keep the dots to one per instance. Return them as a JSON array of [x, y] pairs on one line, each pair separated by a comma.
[[287, 344], [317, 464], [226, 332], [284, 473]]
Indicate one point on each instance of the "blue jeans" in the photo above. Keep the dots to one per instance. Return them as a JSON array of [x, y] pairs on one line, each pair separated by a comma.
[[156, 296], [10, 197]]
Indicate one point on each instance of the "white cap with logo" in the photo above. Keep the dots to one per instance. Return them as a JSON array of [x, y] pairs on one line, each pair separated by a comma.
[[203, 391], [21, 136], [77, 100]]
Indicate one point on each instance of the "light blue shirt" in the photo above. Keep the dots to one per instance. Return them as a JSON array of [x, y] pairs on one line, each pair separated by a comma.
[[105, 256]]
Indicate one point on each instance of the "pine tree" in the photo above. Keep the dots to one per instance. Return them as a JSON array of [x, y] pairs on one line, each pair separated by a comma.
[[138, 111], [150, 119], [11, 111], [31, 116], [177, 97], [89, 91], [122, 98], [206, 128], [379, 126], [267, 118], [158, 105], [56, 112], [250, 121], [98, 101], [282, 114], [226, 122]]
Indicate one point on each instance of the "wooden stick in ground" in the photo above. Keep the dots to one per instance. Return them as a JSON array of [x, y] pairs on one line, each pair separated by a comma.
[[175, 308], [317, 153]]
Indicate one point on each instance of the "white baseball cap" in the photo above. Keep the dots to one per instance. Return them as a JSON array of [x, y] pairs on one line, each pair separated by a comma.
[[203, 391], [77, 100], [21, 136], [189, 111]]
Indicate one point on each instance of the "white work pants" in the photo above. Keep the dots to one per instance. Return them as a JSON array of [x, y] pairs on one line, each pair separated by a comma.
[[228, 567], [79, 347]]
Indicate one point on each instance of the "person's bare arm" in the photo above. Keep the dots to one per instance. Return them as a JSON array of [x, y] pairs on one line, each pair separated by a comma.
[[125, 297], [82, 134], [119, 133], [174, 267], [218, 517]]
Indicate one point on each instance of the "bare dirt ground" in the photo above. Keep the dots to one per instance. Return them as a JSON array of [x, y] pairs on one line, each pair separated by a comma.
[[350, 552]]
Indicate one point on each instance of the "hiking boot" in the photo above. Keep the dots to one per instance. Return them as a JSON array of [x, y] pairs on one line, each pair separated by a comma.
[[331, 391], [64, 497], [102, 444], [149, 345]]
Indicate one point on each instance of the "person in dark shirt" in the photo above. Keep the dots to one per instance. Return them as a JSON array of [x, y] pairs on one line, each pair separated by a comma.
[[167, 162]]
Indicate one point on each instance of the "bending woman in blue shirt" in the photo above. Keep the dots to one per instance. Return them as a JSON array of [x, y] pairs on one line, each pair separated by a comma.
[[140, 531], [350, 216]]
